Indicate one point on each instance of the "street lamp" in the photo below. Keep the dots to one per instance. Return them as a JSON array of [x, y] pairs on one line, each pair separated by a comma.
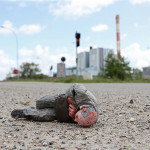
[[16, 47]]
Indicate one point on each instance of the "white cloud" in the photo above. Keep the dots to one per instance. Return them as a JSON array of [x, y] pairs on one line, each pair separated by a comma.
[[138, 58], [100, 27], [123, 36], [135, 25], [83, 49], [12, 0], [31, 0], [139, 1], [44, 57], [86, 49], [8, 24], [39, 55], [62, 50], [7, 28], [22, 4], [30, 29], [5, 64], [25, 52], [78, 7]]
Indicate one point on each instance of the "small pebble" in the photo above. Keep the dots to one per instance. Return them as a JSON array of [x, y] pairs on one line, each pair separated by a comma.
[[132, 119]]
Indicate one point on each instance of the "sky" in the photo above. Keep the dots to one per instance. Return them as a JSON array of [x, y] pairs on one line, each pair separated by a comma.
[[43, 31]]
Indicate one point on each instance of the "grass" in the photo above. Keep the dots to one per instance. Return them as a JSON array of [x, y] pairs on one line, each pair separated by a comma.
[[72, 79]]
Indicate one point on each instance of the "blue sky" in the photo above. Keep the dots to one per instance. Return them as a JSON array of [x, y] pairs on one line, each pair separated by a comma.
[[45, 30]]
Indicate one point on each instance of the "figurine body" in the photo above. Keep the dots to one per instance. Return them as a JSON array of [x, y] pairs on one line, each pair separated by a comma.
[[75, 104]]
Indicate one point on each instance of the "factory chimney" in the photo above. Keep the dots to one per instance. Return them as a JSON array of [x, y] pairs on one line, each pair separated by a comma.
[[118, 35]]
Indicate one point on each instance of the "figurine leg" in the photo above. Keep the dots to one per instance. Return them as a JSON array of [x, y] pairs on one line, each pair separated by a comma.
[[31, 113]]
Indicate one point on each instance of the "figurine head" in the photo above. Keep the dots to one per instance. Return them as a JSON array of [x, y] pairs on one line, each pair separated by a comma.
[[86, 117]]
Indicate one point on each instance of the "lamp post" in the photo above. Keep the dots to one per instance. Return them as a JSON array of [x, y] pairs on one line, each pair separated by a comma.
[[16, 47]]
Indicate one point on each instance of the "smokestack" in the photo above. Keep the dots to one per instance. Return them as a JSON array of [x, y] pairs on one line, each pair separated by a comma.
[[118, 35]]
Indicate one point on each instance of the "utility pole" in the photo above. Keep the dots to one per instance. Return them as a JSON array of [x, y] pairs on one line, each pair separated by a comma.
[[118, 35], [77, 36]]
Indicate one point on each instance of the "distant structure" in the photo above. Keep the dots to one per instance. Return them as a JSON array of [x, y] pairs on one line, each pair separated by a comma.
[[83, 61], [146, 72], [92, 61], [61, 70], [98, 57], [118, 35], [70, 71]]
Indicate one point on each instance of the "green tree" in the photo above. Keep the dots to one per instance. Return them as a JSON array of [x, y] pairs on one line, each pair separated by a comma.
[[27, 70], [116, 68]]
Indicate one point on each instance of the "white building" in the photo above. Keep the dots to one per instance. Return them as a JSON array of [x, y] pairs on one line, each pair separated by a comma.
[[83, 60], [146, 72], [70, 71], [98, 57], [92, 61]]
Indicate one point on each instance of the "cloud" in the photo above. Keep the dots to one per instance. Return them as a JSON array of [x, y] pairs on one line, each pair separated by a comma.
[[24, 52], [12, 0], [70, 7], [41, 55], [78, 7], [100, 27], [123, 36], [45, 57], [137, 57], [83, 49], [5, 64], [6, 27], [86, 49], [135, 25], [25, 29], [30, 29], [30, 0], [139, 1], [22, 4]]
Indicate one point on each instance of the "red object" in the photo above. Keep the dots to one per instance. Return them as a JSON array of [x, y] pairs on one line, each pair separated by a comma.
[[72, 111], [69, 99], [77, 35], [85, 121], [15, 71]]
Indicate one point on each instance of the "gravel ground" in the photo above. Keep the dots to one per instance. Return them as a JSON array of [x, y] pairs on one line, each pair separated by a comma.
[[124, 119]]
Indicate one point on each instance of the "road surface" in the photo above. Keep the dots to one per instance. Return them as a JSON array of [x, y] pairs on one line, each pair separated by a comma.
[[124, 118]]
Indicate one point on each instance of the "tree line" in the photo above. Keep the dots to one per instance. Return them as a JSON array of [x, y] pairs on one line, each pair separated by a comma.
[[28, 71]]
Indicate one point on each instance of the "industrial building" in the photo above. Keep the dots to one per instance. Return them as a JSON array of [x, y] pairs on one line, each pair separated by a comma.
[[146, 72], [91, 62], [70, 71], [98, 57], [83, 60]]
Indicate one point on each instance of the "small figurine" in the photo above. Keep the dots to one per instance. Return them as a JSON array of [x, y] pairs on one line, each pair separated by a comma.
[[77, 104]]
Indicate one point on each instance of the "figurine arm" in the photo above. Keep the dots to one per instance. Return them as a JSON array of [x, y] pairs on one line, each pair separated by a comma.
[[72, 109], [47, 101]]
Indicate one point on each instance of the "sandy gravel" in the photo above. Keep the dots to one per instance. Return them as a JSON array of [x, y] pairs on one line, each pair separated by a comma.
[[124, 119]]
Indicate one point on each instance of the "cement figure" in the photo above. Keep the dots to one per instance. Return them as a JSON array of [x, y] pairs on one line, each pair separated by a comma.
[[77, 104]]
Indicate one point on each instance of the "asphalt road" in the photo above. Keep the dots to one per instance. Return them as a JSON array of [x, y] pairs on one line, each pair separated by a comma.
[[124, 118]]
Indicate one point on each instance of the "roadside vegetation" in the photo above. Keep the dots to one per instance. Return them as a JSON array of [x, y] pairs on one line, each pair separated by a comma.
[[115, 71], [72, 79]]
